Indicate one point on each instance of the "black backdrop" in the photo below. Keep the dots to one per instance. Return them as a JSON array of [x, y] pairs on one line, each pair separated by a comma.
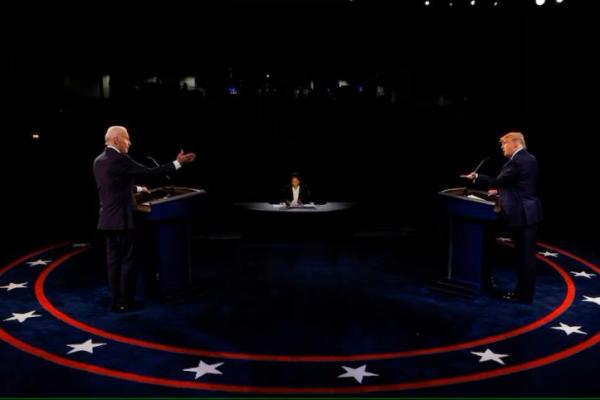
[[454, 80]]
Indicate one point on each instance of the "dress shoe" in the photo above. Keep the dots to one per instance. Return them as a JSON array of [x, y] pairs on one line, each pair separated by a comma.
[[512, 297], [118, 308]]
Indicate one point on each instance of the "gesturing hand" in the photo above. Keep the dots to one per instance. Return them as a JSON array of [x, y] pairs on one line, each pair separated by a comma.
[[185, 158], [471, 176]]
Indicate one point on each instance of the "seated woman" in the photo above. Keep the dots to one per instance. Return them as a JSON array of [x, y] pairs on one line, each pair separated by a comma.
[[295, 194]]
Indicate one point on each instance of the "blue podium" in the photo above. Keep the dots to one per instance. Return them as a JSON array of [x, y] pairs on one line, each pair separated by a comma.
[[467, 212], [164, 217]]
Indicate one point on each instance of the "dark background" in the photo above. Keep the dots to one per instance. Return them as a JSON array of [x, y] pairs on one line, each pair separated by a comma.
[[452, 81]]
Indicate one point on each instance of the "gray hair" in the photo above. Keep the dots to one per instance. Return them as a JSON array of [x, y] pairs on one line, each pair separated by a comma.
[[113, 132]]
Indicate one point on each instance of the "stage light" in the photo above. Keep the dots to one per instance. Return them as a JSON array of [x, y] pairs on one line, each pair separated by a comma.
[[540, 2], [427, 2], [153, 79], [472, 2], [268, 76], [232, 90], [188, 83], [342, 83], [106, 86], [35, 136], [495, 4], [451, 4], [559, 1]]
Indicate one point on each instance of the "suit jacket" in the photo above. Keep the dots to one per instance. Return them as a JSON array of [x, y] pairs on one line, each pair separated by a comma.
[[114, 173], [517, 190], [303, 196]]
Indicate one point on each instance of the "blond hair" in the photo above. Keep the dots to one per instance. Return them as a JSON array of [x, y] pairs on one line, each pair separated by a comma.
[[514, 136]]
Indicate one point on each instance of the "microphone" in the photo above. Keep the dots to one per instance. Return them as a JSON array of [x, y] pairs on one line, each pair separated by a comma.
[[476, 169], [158, 165], [480, 164]]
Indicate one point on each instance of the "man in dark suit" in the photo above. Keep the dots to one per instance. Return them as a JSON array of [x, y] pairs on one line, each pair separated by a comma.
[[295, 194], [520, 208], [115, 171]]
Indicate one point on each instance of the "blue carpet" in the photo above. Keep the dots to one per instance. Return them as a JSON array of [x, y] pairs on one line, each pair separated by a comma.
[[287, 317]]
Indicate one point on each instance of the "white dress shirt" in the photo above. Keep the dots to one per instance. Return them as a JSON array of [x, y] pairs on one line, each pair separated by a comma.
[[296, 194]]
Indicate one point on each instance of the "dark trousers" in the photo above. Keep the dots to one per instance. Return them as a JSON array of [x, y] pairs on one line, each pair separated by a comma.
[[119, 260], [524, 238]]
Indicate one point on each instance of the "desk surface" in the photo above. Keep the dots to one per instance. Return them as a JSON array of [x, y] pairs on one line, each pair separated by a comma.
[[462, 193], [307, 208], [162, 195]]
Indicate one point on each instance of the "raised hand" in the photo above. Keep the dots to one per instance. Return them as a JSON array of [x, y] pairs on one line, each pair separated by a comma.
[[185, 158], [471, 176]]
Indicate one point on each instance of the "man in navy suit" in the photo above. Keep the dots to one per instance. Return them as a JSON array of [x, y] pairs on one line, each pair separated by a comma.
[[115, 171], [520, 208]]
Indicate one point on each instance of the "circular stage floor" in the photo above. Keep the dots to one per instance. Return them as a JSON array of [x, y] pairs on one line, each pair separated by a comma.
[[294, 318]]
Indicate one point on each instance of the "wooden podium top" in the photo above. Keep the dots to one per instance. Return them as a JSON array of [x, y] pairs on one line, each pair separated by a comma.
[[478, 196], [165, 194]]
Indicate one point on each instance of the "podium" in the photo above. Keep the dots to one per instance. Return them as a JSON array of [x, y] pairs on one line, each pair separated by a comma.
[[164, 215], [468, 212]]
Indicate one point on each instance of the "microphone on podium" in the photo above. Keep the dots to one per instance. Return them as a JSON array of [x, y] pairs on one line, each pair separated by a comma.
[[480, 164], [158, 165], [475, 170]]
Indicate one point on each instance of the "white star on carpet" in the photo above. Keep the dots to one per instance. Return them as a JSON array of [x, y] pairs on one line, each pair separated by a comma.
[[12, 286], [204, 369], [569, 329], [22, 317], [548, 254], [357, 373], [489, 355], [504, 239], [87, 346], [583, 274], [592, 299], [38, 262]]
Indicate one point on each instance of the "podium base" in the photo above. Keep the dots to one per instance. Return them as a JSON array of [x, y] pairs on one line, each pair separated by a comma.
[[457, 287]]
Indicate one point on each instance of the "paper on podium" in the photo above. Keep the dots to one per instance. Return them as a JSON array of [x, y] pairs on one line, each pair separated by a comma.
[[295, 206], [472, 196]]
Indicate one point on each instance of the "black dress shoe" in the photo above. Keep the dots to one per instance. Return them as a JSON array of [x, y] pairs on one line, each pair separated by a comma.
[[130, 307], [118, 308], [511, 297]]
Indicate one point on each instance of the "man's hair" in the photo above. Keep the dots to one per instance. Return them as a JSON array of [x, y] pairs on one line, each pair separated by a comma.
[[295, 175], [514, 136], [113, 132]]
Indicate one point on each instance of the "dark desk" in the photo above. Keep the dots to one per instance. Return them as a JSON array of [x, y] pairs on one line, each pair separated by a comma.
[[306, 208], [308, 221]]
